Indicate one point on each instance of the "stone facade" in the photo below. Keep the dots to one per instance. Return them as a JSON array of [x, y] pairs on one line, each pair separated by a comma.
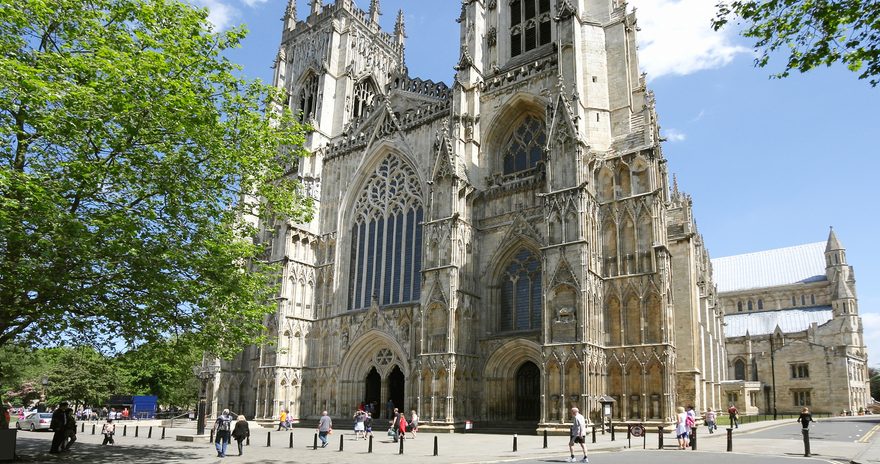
[[794, 331], [499, 250]]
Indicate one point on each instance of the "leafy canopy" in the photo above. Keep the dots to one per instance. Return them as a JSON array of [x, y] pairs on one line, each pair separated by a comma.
[[815, 32], [130, 161]]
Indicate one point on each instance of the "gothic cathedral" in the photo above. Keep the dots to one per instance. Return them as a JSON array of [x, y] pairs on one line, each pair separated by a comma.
[[499, 249]]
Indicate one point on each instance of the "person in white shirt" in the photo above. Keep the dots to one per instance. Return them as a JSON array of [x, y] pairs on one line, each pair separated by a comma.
[[578, 434]]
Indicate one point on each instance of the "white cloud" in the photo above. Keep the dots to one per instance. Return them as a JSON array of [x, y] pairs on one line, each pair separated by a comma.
[[676, 37], [253, 3], [871, 332], [673, 135], [220, 14]]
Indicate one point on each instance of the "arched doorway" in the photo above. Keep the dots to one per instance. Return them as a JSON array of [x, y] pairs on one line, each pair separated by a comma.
[[373, 388], [396, 382], [528, 392]]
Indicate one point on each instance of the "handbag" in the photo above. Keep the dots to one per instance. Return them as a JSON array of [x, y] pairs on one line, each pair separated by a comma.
[[391, 433]]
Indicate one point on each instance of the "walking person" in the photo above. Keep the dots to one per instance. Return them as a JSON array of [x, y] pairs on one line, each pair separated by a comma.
[[711, 419], [368, 425], [69, 431], [108, 430], [395, 424], [325, 427], [401, 425], [805, 418], [578, 434], [282, 421], [222, 429], [359, 429], [413, 423], [241, 432], [681, 428], [58, 423], [734, 415]]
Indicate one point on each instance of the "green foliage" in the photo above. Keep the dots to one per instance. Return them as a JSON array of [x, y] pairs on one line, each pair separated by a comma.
[[815, 32], [874, 376], [82, 375], [131, 157], [164, 369]]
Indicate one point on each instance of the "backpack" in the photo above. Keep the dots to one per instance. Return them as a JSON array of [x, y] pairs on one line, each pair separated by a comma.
[[223, 423]]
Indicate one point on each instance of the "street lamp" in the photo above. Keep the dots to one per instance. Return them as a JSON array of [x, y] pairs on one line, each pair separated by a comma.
[[45, 382], [204, 373]]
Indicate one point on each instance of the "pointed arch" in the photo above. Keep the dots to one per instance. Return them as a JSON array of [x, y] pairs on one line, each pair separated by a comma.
[[624, 186], [640, 176], [517, 134], [609, 248], [307, 96], [633, 320], [604, 184], [627, 244], [520, 286], [613, 321], [364, 93], [646, 241], [654, 321]]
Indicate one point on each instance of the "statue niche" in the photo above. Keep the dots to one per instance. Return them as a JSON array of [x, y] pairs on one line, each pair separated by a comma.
[[564, 315]]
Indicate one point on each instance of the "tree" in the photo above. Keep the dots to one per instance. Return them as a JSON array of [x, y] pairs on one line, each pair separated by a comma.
[[164, 369], [132, 161], [84, 376], [874, 379], [816, 32]]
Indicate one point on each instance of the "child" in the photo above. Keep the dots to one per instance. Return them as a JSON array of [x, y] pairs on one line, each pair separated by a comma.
[[108, 430]]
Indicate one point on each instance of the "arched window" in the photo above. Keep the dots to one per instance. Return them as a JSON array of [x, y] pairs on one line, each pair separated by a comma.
[[760, 303], [529, 25], [750, 305], [386, 237], [812, 299], [521, 292], [525, 147], [739, 306], [739, 370], [364, 94], [308, 99]]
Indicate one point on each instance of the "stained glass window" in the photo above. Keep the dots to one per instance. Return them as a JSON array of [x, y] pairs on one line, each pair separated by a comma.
[[386, 238], [525, 147], [529, 25], [308, 98], [521, 293]]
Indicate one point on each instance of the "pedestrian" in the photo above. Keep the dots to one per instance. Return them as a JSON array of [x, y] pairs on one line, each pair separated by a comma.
[[578, 434], [222, 428], [108, 430], [69, 430], [125, 414], [401, 425], [359, 428], [805, 418], [58, 423], [710, 420], [368, 425], [734, 415], [413, 423], [282, 421], [325, 427], [681, 428], [395, 424], [389, 408], [241, 432]]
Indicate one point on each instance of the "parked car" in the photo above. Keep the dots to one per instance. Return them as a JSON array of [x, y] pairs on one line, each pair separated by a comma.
[[34, 421]]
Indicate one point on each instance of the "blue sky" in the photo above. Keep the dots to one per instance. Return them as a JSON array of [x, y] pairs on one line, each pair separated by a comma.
[[769, 163]]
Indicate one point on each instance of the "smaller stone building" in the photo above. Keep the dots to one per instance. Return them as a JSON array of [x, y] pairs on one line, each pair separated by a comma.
[[794, 335]]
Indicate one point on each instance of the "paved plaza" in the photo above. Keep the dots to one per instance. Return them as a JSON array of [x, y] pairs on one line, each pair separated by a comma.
[[837, 440]]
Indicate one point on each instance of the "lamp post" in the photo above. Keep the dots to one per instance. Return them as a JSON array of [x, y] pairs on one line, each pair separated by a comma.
[[45, 382], [204, 373]]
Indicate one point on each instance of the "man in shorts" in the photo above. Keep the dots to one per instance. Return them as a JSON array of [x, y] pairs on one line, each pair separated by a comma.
[[578, 434]]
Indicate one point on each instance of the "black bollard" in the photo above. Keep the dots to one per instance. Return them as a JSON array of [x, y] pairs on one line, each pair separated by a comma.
[[594, 434], [806, 433], [729, 439], [291, 439], [269, 439], [514, 443], [435, 442], [401, 445], [211, 440], [694, 438], [611, 426], [315, 443], [125, 430], [545, 439], [660, 437], [370, 446], [136, 427], [93, 429], [150, 432], [82, 428], [163, 433], [340, 442]]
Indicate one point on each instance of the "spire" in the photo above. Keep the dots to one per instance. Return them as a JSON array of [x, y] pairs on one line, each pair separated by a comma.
[[374, 11], [833, 243], [399, 27], [842, 290], [675, 193], [290, 15], [316, 7]]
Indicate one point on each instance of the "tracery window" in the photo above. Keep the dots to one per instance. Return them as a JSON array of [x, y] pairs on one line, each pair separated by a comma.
[[308, 99], [386, 237], [521, 293], [529, 25], [364, 94], [525, 147]]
